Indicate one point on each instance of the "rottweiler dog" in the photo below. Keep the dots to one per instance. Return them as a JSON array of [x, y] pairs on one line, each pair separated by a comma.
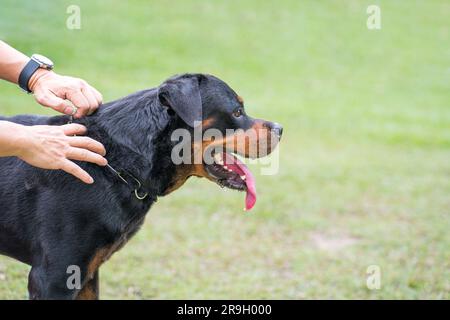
[[52, 221]]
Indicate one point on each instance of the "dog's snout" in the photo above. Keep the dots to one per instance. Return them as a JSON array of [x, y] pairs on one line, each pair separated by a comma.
[[275, 128], [278, 129]]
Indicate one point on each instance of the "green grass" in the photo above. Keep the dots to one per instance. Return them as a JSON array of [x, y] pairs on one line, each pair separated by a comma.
[[364, 169]]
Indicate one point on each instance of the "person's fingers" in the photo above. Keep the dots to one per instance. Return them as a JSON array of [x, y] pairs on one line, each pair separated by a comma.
[[98, 95], [93, 104], [73, 128], [87, 143], [85, 155], [75, 170], [49, 99], [80, 101]]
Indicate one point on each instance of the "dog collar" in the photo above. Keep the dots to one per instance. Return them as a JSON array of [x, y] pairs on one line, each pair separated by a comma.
[[121, 175], [139, 184]]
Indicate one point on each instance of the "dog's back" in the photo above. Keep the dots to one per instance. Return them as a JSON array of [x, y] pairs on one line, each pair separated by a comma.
[[27, 120]]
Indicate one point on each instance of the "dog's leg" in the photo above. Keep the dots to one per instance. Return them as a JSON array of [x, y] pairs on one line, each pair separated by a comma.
[[35, 283], [59, 281], [44, 284], [48, 284], [90, 290]]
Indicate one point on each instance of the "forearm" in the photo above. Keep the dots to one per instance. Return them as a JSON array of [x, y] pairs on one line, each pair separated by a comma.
[[11, 62], [11, 138]]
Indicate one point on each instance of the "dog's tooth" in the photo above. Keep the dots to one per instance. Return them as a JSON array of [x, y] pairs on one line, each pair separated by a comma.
[[243, 177], [229, 170], [225, 167]]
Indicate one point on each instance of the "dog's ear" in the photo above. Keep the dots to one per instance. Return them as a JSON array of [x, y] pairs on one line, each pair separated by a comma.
[[182, 95]]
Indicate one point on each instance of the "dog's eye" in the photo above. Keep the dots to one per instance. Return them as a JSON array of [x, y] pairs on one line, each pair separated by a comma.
[[238, 112]]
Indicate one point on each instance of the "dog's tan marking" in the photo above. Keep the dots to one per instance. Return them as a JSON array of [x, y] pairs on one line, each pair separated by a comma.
[[100, 256], [207, 123], [245, 143], [181, 175], [89, 292]]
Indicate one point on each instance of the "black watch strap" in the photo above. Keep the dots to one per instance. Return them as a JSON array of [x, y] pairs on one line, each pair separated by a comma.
[[24, 77]]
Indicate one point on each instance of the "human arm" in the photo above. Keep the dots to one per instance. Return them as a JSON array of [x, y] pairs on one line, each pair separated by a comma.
[[49, 88], [51, 147]]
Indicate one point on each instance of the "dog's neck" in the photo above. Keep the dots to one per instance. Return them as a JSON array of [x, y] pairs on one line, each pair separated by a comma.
[[135, 131]]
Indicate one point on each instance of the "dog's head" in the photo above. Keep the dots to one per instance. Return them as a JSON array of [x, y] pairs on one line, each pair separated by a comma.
[[212, 126]]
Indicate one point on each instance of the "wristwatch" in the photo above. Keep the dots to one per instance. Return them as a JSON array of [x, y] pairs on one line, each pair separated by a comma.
[[37, 61]]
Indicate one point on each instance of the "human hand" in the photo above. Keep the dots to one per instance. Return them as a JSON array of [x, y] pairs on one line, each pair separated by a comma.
[[51, 147], [51, 90]]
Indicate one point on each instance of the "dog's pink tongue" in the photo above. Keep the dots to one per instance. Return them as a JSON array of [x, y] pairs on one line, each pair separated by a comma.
[[240, 168]]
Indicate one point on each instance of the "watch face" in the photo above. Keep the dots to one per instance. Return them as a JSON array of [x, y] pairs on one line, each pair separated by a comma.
[[44, 61]]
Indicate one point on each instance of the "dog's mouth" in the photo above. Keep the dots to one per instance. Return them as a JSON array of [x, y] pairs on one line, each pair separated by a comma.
[[228, 171]]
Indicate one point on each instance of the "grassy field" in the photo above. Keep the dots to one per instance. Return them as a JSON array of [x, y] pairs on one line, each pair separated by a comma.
[[364, 173]]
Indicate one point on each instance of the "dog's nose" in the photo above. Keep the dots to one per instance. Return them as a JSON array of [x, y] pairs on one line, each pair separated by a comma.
[[278, 129]]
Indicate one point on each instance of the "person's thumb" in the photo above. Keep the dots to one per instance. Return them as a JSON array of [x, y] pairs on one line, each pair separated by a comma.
[[56, 103]]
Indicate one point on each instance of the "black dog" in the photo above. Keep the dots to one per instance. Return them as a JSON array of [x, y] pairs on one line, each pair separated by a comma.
[[50, 220]]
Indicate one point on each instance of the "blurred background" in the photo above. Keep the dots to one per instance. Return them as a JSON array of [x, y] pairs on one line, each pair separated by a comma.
[[364, 160]]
